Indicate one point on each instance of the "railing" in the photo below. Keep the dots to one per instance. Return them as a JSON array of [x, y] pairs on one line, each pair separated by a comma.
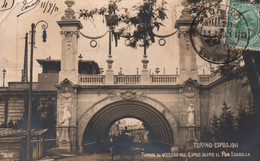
[[204, 79], [207, 79], [91, 79], [164, 79], [136, 79], [215, 77], [127, 79]]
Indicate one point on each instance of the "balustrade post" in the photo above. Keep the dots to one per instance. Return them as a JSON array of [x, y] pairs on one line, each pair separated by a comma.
[[110, 72], [145, 72]]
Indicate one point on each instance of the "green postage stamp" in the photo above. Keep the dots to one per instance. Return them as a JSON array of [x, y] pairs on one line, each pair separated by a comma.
[[243, 26]]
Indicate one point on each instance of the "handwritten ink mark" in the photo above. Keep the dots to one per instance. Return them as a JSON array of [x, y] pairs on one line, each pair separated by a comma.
[[44, 6], [28, 6], [49, 7], [5, 5]]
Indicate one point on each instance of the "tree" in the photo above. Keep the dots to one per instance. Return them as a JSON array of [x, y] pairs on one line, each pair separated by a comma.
[[248, 131], [251, 59], [215, 127], [224, 125], [247, 123], [137, 28], [150, 15]]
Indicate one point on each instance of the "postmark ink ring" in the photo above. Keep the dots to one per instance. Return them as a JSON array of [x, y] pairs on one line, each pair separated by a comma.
[[216, 42]]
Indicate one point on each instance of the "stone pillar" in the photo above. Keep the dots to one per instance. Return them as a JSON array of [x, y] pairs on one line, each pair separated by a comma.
[[110, 72], [70, 27], [191, 137], [68, 78], [145, 72], [66, 116], [187, 55]]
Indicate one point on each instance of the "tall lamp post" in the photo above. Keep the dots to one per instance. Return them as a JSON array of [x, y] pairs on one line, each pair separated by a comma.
[[44, 36], [4, 72]]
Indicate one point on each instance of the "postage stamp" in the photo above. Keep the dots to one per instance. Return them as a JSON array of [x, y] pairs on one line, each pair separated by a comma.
[[245, 26], [214, 38]]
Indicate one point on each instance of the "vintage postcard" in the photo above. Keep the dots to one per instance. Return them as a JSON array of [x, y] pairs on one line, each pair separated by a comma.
[[139, 80]]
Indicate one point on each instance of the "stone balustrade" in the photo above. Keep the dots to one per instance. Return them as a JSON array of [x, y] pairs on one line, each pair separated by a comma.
[[164, 79], [127, 79], [91, 79], [136, 79], [204, 79], [207, 79], [85, 79]]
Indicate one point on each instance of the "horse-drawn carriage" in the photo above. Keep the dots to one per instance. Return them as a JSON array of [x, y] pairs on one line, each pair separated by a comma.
[[122, 145]]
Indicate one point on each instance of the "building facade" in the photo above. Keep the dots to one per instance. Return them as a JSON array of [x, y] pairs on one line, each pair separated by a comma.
[[88, 103]]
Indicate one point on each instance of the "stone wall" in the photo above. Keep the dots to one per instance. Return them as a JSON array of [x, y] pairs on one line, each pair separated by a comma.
[[230, 91]]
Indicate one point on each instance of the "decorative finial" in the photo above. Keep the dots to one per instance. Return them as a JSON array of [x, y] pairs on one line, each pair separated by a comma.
[[69, 12], [186, 12], [69, 3]]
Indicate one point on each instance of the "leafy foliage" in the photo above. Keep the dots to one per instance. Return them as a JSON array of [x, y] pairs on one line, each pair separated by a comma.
[[224, 126], [247, 122], [241, 128], [137, 28]]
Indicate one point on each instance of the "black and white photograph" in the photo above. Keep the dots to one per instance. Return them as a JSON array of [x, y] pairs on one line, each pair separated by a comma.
[[129, 80]]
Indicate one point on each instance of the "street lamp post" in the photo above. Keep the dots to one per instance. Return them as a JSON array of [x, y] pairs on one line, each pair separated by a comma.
[[33, 27], [4, 72]]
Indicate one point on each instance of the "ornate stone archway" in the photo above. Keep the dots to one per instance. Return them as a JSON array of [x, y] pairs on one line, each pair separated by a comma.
[[94, 122]]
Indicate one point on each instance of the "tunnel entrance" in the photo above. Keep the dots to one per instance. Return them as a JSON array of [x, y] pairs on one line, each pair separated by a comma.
[[130, 124]]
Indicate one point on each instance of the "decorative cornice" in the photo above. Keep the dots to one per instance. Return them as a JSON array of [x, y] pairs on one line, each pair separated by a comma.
[[127, 94], [69, 33]]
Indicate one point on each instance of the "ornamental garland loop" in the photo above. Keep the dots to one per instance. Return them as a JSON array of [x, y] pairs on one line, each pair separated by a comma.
[[162, 40], [165, 36], [93, 42], [92, 37]]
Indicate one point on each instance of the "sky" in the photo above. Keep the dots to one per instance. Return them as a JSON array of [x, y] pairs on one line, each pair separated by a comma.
[[13, 31]]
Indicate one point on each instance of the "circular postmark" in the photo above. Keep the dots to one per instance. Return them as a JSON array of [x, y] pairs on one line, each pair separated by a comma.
[[219, 34]]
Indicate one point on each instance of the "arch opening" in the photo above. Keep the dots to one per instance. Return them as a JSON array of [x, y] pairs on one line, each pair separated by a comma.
[[96, 136]]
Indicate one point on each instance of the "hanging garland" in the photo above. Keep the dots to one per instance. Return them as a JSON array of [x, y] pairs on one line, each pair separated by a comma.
[[150, 15], [165, 36], [91, 37]]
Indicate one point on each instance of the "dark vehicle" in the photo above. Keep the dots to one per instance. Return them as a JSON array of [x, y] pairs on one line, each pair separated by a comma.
[[122, 145]]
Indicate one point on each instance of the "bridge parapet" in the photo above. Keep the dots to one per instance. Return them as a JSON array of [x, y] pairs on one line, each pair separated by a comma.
[[91, 79], [207, 79], [128, 79], [85, 79], [164, 79]]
